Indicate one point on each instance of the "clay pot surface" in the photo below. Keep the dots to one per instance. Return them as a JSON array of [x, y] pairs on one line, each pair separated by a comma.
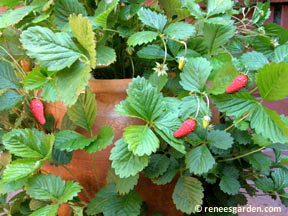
[[108, 94]]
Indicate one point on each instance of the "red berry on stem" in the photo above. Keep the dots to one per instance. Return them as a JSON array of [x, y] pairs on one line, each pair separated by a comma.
[[238, 83], [187, 127], [37, 109]]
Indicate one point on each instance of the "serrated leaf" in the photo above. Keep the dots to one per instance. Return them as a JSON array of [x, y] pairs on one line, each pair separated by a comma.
[[280, 178], [199, 160], [83, 112], [9, 99], [281, 54], [260, 162], [52, 50], [61, 157], [254, 60], [165, 126], [194, 8], [124, 162], [158, 82], [129, 11], [103, 10], [64, 8], [124, 185], [35, 204], [141, 140], [12, 186], [9, 3], [260, 140], [188, 194], [70, 140], [195, 75], [224, 76], [49, 210], [69, 83], [104, 139], [158, 165], [216, 35], [265, 184], [8, 78], [20, 169], [12, 17], [258, 17], [35, 79], [219, 6], [271, 81], [180, 30], [28, 143], [140, 38], [105, 56], [152, 19], [71, 190], [170, 6], [82, 29], [220, 139], [169, 174], [188, 107], [229, 185], [235, 104], [153, 52]]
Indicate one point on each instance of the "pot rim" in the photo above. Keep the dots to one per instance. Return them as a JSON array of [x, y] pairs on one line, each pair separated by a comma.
[[109, 85]]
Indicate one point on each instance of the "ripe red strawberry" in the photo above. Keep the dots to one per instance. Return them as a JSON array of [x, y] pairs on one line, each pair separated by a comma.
[[238, 83], [187, 127], [37, 109]]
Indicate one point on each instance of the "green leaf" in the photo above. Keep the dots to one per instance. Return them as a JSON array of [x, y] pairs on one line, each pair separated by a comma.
[[8, 78], [152, 19], [194, 8], [188, 194], [70, 140], [280, 178], [169, 174], [263, 44], [125, 185], [104, 139], [170, 6], [195, 75], [153, 52], [188, 107], [9, 99], [12, 17], [158, 82], [49, 210], [83, 112], [44, 187], [220, 139], [281, 54], [105, 56], [35, 79], [271, 81], [124, 162], [29, 143], [9, 3], [141, 140], [103, 10], [260, 140], [69, 83], [268, 123], [265, 184], [64, 8], [52, 50], [158, 165], [49, 92], [219, 6], [129, 204], [165, 126], [19, 169], [260, 162], [10, 187], [224, 76], [229, 185], [235, 104], [180, 30], [258, 17], [254, 60], [216, 35], [82, 29], [61, 157], [143, 37], [199, 160], [129, 11]]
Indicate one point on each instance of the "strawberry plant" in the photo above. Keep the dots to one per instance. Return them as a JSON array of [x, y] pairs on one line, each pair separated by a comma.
[[202, 71]]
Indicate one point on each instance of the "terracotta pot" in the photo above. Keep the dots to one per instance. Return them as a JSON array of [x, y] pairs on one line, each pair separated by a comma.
[[108, 94]]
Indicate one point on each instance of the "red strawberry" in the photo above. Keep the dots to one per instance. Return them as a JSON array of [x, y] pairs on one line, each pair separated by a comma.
[[238, 83], [37, 109], [187, 127]]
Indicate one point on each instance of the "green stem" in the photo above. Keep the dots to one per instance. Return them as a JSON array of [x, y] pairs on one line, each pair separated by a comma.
[[244, 155], [165, 47], [253, 90], [240, 120], [95, 173], [133, 68]]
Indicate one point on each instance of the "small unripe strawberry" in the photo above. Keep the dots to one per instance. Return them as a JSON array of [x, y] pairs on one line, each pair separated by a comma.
[[238, 83], [37, 109], [187, 127], [182, 62], [206, 121]]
